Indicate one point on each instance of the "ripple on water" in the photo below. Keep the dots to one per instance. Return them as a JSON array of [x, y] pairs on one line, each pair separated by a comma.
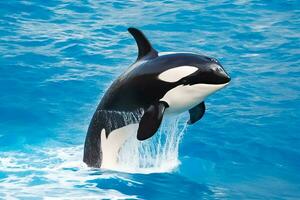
[[58, 57]]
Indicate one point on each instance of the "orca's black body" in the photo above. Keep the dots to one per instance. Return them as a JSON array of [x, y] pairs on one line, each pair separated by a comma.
[[139, 91]]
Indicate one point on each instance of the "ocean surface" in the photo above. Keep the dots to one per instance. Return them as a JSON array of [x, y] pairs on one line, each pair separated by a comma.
[[58, 58]]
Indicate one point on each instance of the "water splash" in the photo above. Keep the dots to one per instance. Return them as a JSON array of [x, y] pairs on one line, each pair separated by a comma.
[[157, 154], [44, 171], [52, 173]]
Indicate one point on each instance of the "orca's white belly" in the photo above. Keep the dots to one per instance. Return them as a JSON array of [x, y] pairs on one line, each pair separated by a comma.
[[111, 146], [185, 97]]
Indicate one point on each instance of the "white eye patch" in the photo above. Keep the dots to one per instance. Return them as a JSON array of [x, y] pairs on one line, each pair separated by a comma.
[[177, 73]]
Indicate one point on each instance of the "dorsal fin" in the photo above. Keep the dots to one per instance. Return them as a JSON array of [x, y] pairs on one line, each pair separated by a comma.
[[144, 46]]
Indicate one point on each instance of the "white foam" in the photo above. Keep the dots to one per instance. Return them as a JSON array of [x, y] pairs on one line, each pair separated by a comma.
[[59, 172]]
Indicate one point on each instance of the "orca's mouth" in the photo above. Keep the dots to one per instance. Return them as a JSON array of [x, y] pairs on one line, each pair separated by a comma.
[[226, 78], [218, 78]]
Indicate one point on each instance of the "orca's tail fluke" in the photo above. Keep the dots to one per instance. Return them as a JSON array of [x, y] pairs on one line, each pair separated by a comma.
[[145, 49]]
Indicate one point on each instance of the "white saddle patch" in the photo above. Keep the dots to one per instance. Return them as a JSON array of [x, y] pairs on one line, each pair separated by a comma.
[[177, 73]]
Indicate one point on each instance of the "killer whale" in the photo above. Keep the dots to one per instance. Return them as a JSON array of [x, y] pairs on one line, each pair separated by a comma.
[[154, 86]]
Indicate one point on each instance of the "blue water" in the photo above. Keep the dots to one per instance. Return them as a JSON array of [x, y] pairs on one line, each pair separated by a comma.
[[58, 58]]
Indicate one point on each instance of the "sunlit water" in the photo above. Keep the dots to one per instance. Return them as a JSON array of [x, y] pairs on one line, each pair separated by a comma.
[[58, 58]]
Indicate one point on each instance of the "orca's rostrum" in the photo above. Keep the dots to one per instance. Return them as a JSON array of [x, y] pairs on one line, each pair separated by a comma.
[[155, 85]]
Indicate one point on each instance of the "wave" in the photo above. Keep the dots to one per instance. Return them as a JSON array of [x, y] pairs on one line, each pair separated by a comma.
[[55, 171], [52, 173]]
